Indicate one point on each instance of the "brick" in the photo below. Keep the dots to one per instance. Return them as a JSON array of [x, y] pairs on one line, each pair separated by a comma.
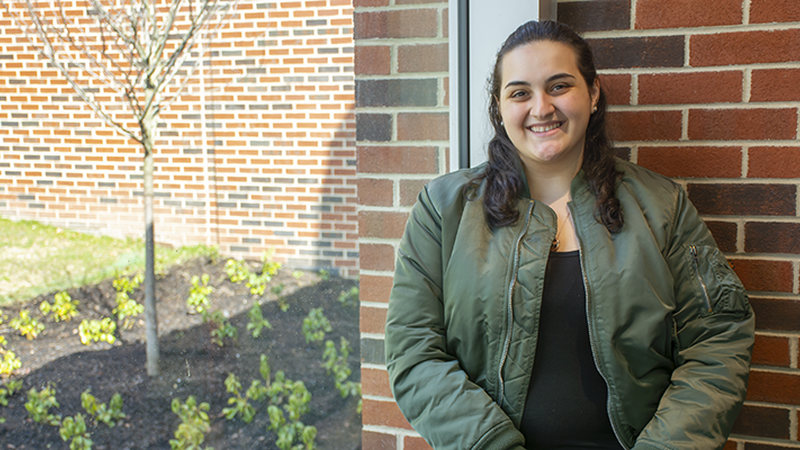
[[746, 47], [375, 382], [773, 162], [374, 288], [422, 58], [369, 3], [371, 440], [423, 126], [744, 199], [400, 92], [381, 224], [645, 125], [693, 162], [771, 351], [764, 276], [767, 11], [653, 51], [775, 85], [375, 192], [409, 190], [415, 443], [763, 421], [397, 160], [404, 23], [383, 413], [690, 88], [598, 15], [771, 237], [374, 127], [751, 124], [419, 2], [724, 234], [776, 314], [761, 446], [730, 445], [770, 387], [617, 88], [377, 256], [372, 320], [623, 153], [687, 13], [373, 60]]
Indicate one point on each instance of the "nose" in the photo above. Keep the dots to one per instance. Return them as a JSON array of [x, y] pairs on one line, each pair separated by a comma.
[[541, 106]]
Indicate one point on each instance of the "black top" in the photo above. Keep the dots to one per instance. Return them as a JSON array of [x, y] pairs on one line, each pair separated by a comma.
[[566, 403]]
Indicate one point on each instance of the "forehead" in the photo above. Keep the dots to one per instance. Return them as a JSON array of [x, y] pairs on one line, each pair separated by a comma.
[[539, 60]]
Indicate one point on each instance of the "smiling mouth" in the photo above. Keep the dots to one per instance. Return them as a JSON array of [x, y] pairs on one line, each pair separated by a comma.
[[545, 128]]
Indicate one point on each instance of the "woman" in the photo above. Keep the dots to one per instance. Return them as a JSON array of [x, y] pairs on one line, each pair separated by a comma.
[[555, 297]]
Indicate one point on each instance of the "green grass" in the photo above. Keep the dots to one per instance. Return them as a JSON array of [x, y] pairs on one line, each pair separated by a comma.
[[37, 259]]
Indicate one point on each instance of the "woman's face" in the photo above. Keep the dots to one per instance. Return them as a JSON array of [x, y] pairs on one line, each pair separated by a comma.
[[545, 102]]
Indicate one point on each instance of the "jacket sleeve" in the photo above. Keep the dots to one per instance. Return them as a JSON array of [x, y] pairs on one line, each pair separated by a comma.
[[431, 389], [712, 342]]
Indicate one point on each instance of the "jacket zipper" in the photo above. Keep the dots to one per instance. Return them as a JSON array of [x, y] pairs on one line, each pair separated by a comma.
[[510, 312], [696, 259], [591, 337]]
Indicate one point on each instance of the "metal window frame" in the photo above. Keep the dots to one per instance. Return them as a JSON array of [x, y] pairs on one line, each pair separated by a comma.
[[477, 30]]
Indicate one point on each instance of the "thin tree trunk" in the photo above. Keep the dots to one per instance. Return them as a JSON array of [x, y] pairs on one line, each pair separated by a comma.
[[151, 318]]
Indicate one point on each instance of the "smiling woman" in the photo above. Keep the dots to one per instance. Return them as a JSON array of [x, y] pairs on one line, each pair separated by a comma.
[[528, 311]]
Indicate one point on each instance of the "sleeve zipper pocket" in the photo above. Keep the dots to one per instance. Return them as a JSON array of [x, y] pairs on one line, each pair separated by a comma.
[[696, 259]]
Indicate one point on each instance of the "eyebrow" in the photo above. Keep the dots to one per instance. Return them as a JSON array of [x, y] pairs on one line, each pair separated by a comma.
[[551, 78]]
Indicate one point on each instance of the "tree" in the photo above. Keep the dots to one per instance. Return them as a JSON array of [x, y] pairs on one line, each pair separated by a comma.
[[128, 60]]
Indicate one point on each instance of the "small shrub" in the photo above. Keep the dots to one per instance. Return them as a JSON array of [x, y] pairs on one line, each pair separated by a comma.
[[127, 308], [236, 270], [39, 404], [224, 328], [278, 291], [324, 275], [297, 274], [108, 414], [315, 325], [27, 325], [198, 300], [193, 427], [74, 430], [257, 321], [9, 362], [335, 363], [63, 308], [7, 391], [256, 392], [91, 330], [349, 298]]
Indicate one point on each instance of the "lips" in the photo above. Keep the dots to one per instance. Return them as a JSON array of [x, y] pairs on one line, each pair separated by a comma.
[[545, 128]]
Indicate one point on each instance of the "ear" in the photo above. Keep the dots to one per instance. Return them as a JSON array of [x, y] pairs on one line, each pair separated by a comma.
[[594, 92]]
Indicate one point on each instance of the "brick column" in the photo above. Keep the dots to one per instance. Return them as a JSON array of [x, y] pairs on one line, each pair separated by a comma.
[[402, 133]]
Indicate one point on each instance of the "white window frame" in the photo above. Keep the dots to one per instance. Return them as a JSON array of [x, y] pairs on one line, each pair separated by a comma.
[[477, 30]]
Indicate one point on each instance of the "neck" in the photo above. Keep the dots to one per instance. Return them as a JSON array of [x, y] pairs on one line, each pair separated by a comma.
[[550, 183]]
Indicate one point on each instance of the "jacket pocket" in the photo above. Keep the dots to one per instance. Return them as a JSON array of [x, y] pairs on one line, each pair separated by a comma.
[[715, 283]]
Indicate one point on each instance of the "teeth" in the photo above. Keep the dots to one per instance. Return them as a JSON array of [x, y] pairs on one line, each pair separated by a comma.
[[545, 129]]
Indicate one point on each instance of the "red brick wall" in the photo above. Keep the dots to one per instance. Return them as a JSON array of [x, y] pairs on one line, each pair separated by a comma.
[[260, 155], [706, 92]]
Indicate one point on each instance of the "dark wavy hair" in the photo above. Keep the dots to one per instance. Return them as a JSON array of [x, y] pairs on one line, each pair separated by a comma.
[[503, 183]]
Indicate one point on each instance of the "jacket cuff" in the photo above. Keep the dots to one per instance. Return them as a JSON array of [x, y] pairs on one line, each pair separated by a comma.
[[502, 437]]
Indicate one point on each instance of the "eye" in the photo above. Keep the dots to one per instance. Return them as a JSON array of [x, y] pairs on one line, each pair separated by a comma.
[[559, 87], [518, 94]]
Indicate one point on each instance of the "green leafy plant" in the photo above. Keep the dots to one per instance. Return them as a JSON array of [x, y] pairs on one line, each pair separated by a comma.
[[236, 270], [324, 275], [257, 322], [335, 363], [8, 390], [127, 308], [91, 330], [349, 298], [294, 398], [315, 326], [63, 308], [9, 362], [278, 291], [108, 414], [297, 274], [193, 427], [39, 404], [26, 324], [256, 392], [224, 329], [198, 299], [74, 430]]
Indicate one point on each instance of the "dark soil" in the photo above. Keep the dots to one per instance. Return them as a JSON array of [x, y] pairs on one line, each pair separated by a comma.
[[190, 364]]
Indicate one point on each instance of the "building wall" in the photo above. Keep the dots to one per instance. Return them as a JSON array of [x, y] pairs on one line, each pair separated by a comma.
[[259, 153], [705, 92]]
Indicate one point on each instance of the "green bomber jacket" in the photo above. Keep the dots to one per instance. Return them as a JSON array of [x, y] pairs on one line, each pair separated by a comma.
[[670, 326]]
